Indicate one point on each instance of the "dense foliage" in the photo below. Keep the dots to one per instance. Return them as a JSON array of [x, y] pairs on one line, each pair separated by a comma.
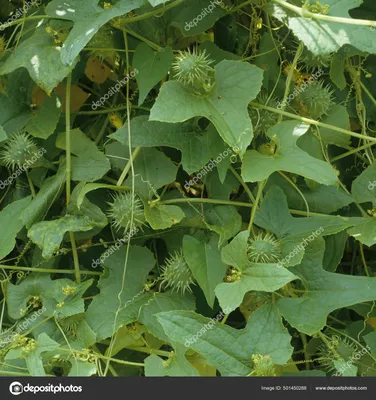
[[187, 188]]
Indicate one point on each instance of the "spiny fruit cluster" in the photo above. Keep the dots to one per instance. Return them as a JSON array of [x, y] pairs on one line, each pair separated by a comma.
[[17, 150], [121, 215], [176, 274], [193, 68], [263, 248]]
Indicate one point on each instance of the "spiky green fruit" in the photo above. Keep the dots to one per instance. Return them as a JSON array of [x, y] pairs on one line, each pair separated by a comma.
[[193, 67], [263, 248], [176, 274], [317, 100], [337, 349], [120, 212], [18, 149]]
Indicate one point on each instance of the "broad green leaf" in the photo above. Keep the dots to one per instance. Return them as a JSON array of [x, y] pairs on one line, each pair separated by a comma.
[[48, 235], [337, 70], [294, 233], [224, 220], [33, 358], [204, 260], [151, 66], [102, 315], [44, 120], [178, 366], [236, 84], [365, 232], [287, 157], [320, 198], [325, 292], [254, 276], [228, 349], [363, 187], [88, 17], [94, 186], [338, 117], [323, 37], [9, 218], [160, 302], [90, 163], [14, 103], [162, 216], [197, 16], [41, 57], [334, 249], [197, 146], [49, 192], [48, 293], [153, 170]]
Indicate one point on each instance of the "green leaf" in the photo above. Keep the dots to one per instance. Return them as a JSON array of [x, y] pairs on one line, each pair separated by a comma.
[[288, 157], [41, 57], [337, 71], [102, 313], [153, 171], [33, 358], [294, 233], [48, 235], [323, 37], [90, 163], [179, 366], [324, 292], [160, 302], [162, 216], [205, 262], [363, 187], [224, 220], [197, 146], [365, 232], [88, 17], [48, 193], [151, 66], [225, 106], [9, 218], [228, 349], [338, 117], [44, 120], [188, 21], [320, 198], [258, 277], [49, 293]]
